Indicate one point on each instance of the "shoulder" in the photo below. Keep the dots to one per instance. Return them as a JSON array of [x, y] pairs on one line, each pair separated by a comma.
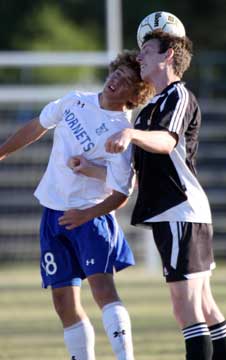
[[194, 108], [90, 97], [177, 96], [181, 92], [118, 120], [193, 98], [184, 92], [80, 95], [178, 91]]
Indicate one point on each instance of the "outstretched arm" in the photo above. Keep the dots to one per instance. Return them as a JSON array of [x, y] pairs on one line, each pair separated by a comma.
[[74, 217], [26, 135], [79, 164]]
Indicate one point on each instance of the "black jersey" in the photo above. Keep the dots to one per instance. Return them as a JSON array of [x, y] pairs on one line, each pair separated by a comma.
[[168, 186]]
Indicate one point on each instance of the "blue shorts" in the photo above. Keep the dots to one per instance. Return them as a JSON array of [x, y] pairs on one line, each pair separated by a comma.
[[68, 256]]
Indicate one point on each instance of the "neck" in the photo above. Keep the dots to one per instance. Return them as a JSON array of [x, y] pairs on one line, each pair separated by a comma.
[[108, 104], [161, 82]]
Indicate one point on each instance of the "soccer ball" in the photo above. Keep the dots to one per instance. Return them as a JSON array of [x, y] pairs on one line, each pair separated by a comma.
[[160, 20]]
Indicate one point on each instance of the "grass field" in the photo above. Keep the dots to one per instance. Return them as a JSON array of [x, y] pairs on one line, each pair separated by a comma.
[[29, 328]]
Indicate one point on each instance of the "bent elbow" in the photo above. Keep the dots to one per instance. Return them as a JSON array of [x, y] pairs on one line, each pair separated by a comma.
[[123, 203], [169, 149], [165, 148], [169, 145]]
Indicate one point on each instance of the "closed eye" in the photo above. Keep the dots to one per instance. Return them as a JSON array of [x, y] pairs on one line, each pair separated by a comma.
[[125, 77]]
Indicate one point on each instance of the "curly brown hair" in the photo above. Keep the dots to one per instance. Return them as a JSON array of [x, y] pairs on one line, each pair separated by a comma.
[[142, 90], [182, 47]]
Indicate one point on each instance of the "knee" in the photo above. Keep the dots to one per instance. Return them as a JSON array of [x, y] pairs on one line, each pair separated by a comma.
[[103, 290], [211, 311], [179, 312], [104, 294], [67, 305], [59, 300], [187, 311]]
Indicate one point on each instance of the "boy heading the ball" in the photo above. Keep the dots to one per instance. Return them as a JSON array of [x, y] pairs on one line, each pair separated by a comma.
[[170, 198]]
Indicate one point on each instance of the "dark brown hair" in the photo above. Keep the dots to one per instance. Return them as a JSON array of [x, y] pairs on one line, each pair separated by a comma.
[[182, 47], [142, 90]]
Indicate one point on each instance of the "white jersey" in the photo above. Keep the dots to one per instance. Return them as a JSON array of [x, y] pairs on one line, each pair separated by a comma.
[[82, 128]]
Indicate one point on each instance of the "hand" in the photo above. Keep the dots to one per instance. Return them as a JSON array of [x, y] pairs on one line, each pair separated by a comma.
[[118, 142], [73, 218], [79, 164]]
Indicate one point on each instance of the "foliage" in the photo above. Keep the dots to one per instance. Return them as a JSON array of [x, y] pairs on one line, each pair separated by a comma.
[[47, 29], [205, 23], [70, 25]]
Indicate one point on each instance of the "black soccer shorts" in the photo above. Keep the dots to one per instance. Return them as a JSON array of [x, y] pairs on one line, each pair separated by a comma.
[[185, 249]]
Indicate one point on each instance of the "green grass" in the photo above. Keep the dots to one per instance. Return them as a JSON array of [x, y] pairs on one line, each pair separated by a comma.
[[30, 329]]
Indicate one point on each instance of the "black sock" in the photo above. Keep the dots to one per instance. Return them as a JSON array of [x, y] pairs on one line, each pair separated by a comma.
[[218, 336], [198, 342]]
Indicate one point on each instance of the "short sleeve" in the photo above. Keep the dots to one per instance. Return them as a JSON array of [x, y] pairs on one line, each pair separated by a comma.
[[120, 172], [51, 114]]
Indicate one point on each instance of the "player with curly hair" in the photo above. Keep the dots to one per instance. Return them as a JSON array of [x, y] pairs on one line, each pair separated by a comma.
[[80, 237]]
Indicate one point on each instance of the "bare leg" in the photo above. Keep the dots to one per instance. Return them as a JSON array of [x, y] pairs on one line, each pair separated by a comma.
[[186, 299], [68, 305], [187, 306], [79, 335], [216, 322], [211, 311]]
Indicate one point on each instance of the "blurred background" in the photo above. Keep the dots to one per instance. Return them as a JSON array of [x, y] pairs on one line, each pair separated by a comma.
[[49, 47]]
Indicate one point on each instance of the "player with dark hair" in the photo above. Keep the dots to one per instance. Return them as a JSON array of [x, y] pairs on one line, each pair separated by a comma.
[[170, 198], [96, 247]]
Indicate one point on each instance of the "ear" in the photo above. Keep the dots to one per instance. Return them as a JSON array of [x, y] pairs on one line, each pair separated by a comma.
[[169, 55]]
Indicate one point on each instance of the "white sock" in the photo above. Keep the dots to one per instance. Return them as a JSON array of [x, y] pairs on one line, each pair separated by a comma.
[[118, 328], [80, 340]]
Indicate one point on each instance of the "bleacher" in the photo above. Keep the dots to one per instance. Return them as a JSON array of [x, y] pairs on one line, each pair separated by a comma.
[[212, 169], [20, 173]]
